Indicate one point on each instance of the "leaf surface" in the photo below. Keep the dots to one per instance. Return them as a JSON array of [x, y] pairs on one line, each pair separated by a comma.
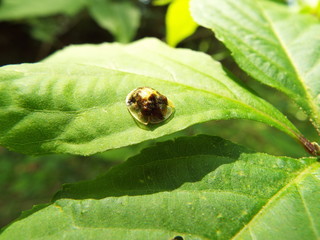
[[74, 102], [276, 46], [199, 187]]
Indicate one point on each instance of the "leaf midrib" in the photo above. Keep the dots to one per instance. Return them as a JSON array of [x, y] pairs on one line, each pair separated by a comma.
[[209, 92], [214, 94], [312, 224], [187, 66], [288, 91], [306, 100], [278, 40], [274, 198], [290, 59], [294, 133]]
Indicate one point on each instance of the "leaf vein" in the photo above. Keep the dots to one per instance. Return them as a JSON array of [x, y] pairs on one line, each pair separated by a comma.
[[307, 210], [274, 198]]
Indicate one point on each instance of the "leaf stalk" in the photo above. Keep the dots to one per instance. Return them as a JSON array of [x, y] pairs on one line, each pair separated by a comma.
[[312, 147]]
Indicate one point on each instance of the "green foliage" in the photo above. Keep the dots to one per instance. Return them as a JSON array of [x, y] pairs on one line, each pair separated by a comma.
[[74, 101], [308, 6], [161, 2], [265, 44], [20, 9], [46, 29], [197, 187], [179, 22], [120, 18]]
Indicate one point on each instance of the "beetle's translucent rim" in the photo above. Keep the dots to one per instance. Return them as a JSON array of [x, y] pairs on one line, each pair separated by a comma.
[[135, 113]]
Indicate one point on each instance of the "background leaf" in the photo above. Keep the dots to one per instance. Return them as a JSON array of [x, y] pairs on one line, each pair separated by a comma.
[[197, 187], [120, 18], [18, 9], [276, 46], [74, 102], [161, 2], [307, 6], [179, 22]]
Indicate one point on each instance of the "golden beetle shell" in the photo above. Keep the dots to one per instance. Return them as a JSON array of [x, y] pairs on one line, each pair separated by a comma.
[[148, 106]]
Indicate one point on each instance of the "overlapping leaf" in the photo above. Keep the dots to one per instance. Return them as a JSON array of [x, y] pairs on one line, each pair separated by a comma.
[[74, 102], [197, 187], [276, 46]]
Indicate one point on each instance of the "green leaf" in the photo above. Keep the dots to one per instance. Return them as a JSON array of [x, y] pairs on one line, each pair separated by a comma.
[[307, 6], [196, 187], [45, 29], [120, 18], [278, 47], [19, 9], [74, 102], [179, 22]]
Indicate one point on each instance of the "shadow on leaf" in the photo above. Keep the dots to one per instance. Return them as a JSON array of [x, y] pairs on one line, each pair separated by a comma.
[[164, 167]]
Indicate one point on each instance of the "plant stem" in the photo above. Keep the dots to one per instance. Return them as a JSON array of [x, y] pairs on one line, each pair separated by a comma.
[[312, 147]]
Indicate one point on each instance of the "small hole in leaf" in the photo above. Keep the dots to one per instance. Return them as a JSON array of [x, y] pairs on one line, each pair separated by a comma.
[[177, 238]]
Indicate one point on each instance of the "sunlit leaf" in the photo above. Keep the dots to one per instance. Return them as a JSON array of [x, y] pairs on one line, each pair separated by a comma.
[[307, 6], [161, 2], [179, 22], [275, 45], [74, 102]]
